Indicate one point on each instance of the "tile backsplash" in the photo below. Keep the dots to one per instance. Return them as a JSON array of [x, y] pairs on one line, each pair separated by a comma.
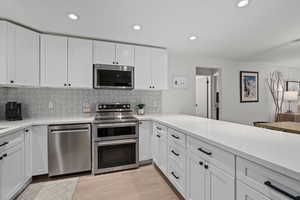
[[44, 102]]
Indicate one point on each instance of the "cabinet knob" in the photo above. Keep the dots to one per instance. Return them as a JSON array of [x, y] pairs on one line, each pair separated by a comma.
[[11, 81], [26, 130], [201, 163], [65, 84], [206, 166], [69, 84], [1, 157], [4, 155]]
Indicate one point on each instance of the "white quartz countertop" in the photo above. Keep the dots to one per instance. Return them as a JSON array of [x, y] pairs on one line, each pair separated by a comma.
[[276, 150]]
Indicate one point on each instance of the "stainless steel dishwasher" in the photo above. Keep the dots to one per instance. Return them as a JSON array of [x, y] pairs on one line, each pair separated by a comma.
[[69, 149]]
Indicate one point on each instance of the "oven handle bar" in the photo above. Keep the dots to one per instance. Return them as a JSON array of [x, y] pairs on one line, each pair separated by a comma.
[[116, 142], [70, 131], [115, 125]]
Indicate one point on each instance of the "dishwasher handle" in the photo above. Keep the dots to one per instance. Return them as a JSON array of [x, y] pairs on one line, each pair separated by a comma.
[[69, 131]]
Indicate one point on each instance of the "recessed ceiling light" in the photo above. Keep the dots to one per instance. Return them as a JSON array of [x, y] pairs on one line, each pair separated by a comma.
[[193, 37], [243, 3], [73, 16], [137, 27]]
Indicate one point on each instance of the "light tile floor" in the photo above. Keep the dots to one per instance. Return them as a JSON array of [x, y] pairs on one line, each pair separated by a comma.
[[145, 183]]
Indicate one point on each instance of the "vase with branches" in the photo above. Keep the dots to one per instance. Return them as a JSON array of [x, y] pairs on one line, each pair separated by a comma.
[[276, 85]]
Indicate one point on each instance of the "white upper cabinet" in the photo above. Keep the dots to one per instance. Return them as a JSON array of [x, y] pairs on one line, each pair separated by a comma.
[[113, 54], [54, 61], [159, 67], [19, 55], [104, 53], [3, 52], [80, 63], [125, 55], [143, 78], [151, 68]]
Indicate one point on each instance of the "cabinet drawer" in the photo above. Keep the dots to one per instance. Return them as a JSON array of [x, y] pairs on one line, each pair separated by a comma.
[[160, 130], [177, 177], [274, 185], [213, 154], [177, 137], [177, 154], [11, 141], [243, 191]]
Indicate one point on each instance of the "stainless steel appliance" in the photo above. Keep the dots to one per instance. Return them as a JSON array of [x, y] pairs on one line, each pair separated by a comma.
[[115, 138], [13, 111], [69, 149], [113, 77]]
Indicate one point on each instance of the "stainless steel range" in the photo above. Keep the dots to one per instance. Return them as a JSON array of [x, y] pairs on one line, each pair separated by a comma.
[[115, 138]]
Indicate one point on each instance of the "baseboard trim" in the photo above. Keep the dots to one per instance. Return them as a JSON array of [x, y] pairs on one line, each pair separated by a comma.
[[21, 189]]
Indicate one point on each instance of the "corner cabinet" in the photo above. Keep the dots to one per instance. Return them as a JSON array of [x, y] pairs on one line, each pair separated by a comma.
[[145, 133], [19, 55], [113, 54], [66, 62], [159, 147], [151, 68]]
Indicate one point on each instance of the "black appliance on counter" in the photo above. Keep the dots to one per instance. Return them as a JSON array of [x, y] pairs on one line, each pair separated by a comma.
[[13, 111]]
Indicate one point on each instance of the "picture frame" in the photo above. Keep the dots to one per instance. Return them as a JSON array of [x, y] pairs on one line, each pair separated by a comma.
[[249, 87], [293, 86]]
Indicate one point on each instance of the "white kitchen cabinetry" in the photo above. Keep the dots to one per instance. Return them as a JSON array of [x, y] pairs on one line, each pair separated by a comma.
[[19, 55], [12, 175], [39, 150], [28, 153], [244, 192], [145, 134], [151, 68], [160, 147], [159, 69], [113, 54], [54, 51], [80, 63]]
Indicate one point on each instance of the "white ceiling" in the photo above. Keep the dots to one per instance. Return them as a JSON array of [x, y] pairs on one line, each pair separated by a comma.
[[223, 30]]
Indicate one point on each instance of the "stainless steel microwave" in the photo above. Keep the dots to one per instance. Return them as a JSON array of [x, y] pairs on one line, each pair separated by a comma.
[[113, 77]]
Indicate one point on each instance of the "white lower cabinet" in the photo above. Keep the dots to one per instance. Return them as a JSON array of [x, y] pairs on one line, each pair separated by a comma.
[[39, 150], [244, 192], [12, 163], [145, 133], [28, 153]]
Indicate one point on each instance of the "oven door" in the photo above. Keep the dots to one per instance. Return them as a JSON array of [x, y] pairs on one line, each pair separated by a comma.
[[115, 131], [113, 77], [115, 155]]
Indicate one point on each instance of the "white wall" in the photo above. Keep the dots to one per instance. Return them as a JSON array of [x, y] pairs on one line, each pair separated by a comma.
[[183, 100]]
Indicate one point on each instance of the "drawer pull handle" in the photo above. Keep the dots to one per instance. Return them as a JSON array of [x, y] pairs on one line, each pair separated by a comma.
[[158, 128], [269, 184], [206, 152], [176, 137], [3, 144], [4, 155], [175, 175], [158, 136], [176, 154]]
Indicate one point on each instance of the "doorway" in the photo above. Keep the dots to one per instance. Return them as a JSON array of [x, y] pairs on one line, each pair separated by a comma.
[[207, 92]]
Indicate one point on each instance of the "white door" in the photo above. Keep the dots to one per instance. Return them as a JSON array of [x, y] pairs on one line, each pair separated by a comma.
[[28, 152], [104, 53], [145, 140], [80, 63], [125, 54], [23, 56], [159, 69], [39, 150], [203, 96], [195, 179], [12, 176], [244, 192], [142, 69], [163, 155], [155, 147], [54, 61], [3, 52], [218, 184]]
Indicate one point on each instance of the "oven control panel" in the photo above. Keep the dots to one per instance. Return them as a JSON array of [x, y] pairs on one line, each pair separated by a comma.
[[113, 107]]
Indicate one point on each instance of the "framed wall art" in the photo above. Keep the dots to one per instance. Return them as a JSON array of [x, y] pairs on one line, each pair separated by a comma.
[[249, 87]]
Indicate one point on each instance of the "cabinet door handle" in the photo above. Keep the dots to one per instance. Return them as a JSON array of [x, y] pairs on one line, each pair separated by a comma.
[[176, 137], [206, 152], [176, 154], [174, 175], [158, 136], [3, 144], [206, 166], [201, 163], [158, 128], [269, 184], [1, 157], [4, 155]]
